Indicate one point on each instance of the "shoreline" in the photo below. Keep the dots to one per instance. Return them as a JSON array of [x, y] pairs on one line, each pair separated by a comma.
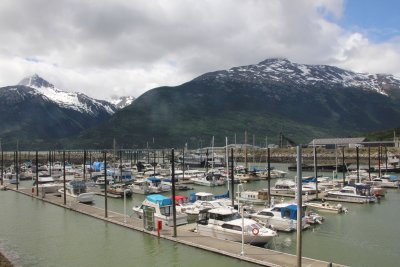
[[4, 261]]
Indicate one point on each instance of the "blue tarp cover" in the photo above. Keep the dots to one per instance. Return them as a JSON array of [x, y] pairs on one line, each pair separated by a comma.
[[154, 179], [226, 195], [292, 212], [98, 166], [309, 180], [160, 199]]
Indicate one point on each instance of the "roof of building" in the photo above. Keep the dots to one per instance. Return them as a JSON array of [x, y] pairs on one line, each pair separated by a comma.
[[338, 141]]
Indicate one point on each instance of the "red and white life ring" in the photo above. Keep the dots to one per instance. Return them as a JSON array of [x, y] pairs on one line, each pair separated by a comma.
[[255, 231]]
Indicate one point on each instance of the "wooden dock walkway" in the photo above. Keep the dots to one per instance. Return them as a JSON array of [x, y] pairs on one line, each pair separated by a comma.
[[185, 235]]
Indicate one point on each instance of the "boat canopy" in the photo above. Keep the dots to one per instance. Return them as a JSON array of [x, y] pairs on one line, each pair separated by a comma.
[[98, 166], [225, 195], [310, 180], [289, 211], [360, 186], [154, 179], [160, 199]]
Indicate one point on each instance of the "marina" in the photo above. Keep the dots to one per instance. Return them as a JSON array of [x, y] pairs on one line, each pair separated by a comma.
[[281, 246], [186, 236]]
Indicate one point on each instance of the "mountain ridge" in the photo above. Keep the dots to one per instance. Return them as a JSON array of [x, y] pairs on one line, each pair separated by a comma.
[[261, 99]]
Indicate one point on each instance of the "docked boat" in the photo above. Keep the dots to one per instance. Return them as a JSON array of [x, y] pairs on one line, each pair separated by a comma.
[[192, 209], [209, 179], [119, 190], [140, 187], [326, 207], [281, 217], [359, 193], [161, 207], [100, 181], [76, 191], [47, 184], [259, 197], [386, 182], [284, 186], [226, 223]]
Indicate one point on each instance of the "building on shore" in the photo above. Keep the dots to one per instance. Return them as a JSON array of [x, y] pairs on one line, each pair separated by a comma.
[[338, 142]]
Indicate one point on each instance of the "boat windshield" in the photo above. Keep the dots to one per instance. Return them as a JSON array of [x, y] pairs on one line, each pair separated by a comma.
[[166, 210], [225, 217]]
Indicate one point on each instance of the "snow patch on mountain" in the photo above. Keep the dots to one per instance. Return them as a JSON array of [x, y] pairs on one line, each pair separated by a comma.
[[122, 102], [282, 70], [71, 100]]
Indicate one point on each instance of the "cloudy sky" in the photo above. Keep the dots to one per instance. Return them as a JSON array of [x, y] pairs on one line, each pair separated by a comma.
[[108, 48]]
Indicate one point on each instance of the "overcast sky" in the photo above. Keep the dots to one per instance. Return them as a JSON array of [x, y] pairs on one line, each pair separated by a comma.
[[107, 48]]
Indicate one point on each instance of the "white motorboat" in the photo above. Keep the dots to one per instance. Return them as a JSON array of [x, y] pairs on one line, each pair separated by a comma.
[[226, 223], [284, 186], [326, 207], [282, 217], [385, 182], [100, 181], [209, 179], [359, 193], [76, 191], [193, 209], [140, 187], [150, 185], [47, 184], [259, 197], [159, 207]]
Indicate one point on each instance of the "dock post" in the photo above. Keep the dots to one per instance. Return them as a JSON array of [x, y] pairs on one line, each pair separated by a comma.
[[316, 171], [344, 168], [369, 163], [105, 184], [37, 173], [358, 165], [269, 176], [379, 160], [84, 164], [173, 190], [120, 165], [232, 180], [206, 161], [65, 189], [299, 208], [16, 168], [2, 164], [386, 160]]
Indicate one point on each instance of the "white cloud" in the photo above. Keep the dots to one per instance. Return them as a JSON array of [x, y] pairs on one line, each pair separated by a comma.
[[118, 47]]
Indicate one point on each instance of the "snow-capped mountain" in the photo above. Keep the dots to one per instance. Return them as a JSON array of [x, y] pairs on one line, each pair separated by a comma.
[[275, 95], [70, 100], [123, 101], [280, 70]]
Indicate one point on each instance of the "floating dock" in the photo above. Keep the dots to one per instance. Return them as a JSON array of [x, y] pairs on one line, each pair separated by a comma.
[[185, 235]]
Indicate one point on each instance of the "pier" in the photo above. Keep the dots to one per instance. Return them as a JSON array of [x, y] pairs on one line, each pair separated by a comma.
[[185, 235]]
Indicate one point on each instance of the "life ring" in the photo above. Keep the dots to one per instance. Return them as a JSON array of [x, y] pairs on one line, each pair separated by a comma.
[[255, 231]]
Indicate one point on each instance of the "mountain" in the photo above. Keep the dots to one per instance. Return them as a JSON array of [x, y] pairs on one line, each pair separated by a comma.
[[36, 113], [70, 100], [264, 99]]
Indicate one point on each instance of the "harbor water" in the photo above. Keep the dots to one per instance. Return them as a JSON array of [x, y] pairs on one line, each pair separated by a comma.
[[34, 233]]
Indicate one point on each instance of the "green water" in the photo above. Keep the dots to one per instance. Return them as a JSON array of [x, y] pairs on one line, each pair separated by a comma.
[[34, 233]]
